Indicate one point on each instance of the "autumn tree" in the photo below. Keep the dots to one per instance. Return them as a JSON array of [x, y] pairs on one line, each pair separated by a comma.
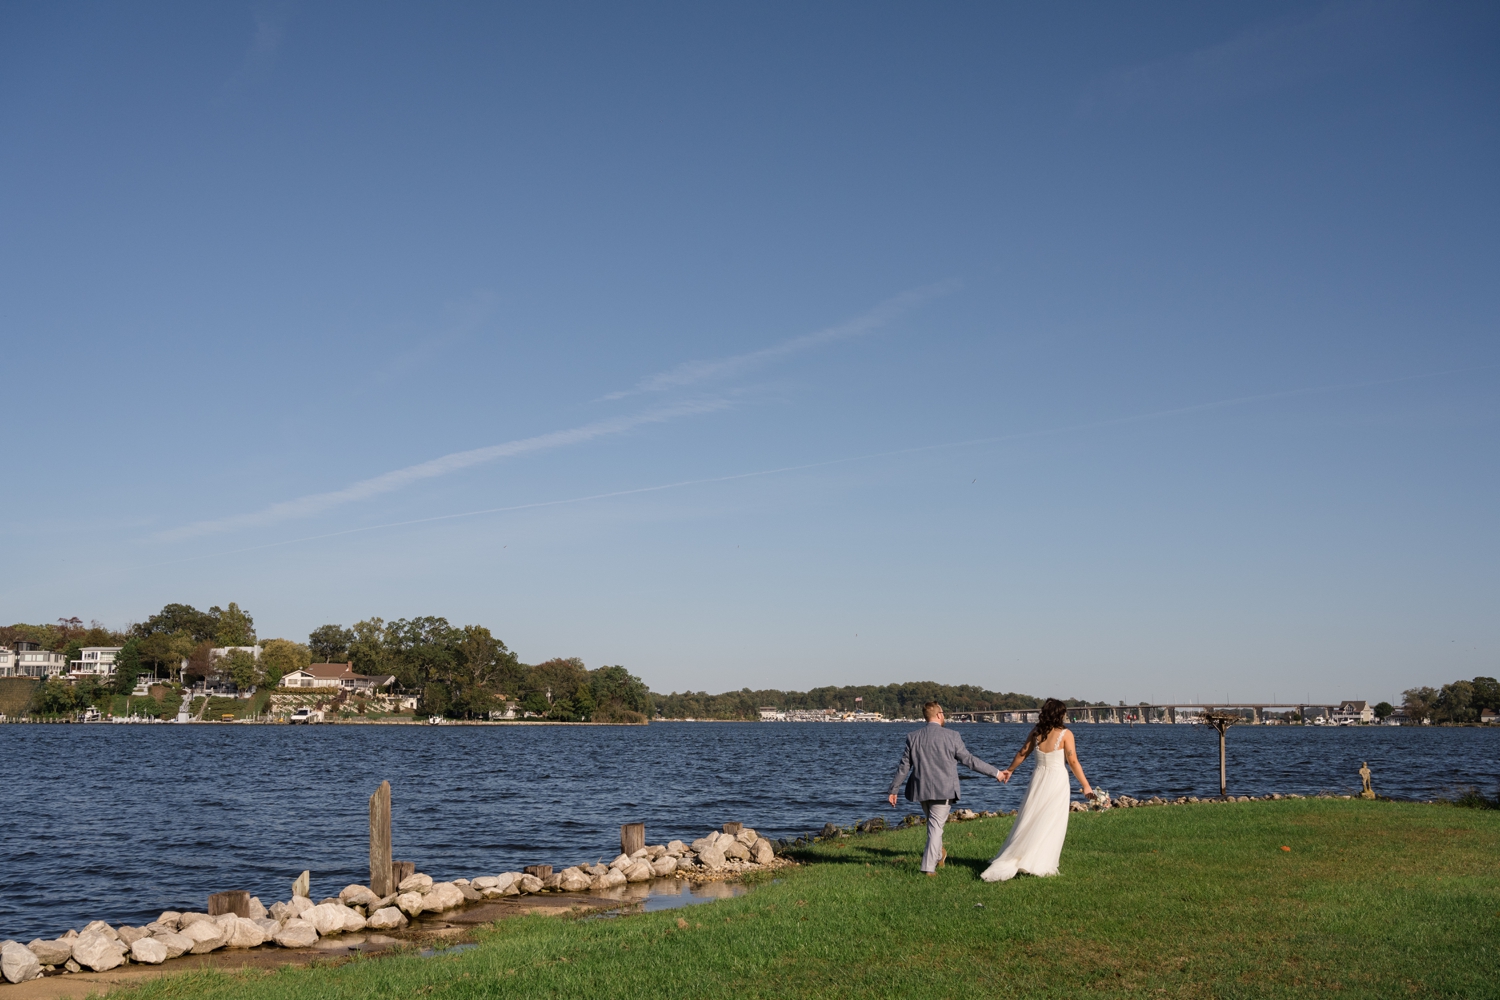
[[279, 657]]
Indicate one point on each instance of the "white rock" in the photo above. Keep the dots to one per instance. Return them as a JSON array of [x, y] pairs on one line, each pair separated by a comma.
[[442, 896], [485, 882], [225, 922], [175, 943], [168, 919], [93, 950], [639, 872], [302, 885], [415, 883], [268, 926], [747, 836], [575, 881], [505, 880], [52, 952], [358, 895], [298, 905], [297, 933], [675, 848], [735, 849], [529, 883], [18, 963], [623, 861], [102, 928], [711, 858], [612, 878], [245, 933], [130, 935], [723, 840], [327, 918], [353, 920], [410, 903], [664, 865], [763, 853], [279, 911], [186, 920], [703, 843], [644, 852], [148, 951], [387, 918], [205, 934], [257, 908]]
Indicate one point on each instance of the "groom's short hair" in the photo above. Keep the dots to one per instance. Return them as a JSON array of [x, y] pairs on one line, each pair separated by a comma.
[[930, 710]]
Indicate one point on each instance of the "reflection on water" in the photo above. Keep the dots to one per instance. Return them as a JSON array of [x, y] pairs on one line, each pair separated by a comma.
[[122, 822], [667, 894]]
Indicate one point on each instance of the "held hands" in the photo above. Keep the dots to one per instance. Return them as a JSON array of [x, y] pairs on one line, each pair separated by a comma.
[[1004, 776], [891, 798]]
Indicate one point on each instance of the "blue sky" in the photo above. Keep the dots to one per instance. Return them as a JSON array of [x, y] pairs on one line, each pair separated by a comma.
[[1118, 351]]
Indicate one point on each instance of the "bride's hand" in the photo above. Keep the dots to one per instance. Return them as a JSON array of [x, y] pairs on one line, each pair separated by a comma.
[[1003, 777]]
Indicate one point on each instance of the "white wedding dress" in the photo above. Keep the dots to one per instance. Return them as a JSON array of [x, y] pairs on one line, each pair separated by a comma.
[[1035, 842]]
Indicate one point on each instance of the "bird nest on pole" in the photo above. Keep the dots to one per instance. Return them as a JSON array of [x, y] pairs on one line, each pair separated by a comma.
[[1221, 721]]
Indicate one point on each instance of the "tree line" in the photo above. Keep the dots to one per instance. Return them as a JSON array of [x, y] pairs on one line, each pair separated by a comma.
[[891, 700], [1458, 702]]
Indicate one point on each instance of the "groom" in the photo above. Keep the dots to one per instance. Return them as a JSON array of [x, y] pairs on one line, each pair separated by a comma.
[[932, 755]]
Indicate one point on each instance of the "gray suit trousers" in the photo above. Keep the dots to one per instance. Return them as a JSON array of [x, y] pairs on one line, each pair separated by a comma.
[[937, 815]]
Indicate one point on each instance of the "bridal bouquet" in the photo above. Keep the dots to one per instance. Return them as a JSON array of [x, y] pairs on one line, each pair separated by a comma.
[[1099, 799]]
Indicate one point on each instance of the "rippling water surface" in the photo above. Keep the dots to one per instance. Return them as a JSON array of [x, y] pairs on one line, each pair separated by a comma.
[[122, 822]]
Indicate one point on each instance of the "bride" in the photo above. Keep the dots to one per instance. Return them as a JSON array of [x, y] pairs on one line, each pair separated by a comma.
[[1035, 842]]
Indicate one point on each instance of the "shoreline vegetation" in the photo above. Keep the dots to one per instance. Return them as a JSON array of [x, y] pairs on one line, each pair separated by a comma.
[[1287, 898], [466, 673]]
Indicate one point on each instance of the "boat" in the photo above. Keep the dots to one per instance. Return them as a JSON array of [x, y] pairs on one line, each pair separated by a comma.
[[436, 720]]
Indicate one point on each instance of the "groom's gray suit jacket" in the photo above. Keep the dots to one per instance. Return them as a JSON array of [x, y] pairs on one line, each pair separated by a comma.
[[932, 756]]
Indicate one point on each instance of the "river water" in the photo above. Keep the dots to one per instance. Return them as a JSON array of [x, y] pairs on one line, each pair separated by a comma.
[[122, 822]]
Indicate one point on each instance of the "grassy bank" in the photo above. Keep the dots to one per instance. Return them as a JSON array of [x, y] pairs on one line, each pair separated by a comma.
[[15, 695], [1373, 899]]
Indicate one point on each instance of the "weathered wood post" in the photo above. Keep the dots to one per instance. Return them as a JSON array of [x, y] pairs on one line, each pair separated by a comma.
[[538, 871], [381, 872], [733, 829], [632, 837], [400, 872], [236, 902], [1221, 721]]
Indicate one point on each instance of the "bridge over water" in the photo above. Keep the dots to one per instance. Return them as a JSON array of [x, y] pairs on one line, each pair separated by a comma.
[[1164, 713]]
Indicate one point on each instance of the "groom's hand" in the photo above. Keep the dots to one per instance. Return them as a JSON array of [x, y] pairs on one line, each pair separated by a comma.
[[891, 798], [1003, 777]]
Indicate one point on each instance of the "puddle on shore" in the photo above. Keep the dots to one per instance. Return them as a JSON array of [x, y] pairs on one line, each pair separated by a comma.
[[453, 949], [668, 894]]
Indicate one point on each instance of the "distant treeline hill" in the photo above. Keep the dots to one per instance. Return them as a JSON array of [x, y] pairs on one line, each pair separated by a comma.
[[891, 700]]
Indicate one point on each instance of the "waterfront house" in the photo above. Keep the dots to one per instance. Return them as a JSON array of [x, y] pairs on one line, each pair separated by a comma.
[[7, 662], [771, 714], [34, 661], [1353, 712], [337, 676], [1489, 715], [94, 661]]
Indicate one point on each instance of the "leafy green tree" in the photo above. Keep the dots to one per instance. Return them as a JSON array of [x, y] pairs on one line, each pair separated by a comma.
[[1486, 694], [562, 710], [422, 650], [240, 666], [73, 652], [1455, 703], [330, 643], [368, 650], [127, 666], [279, 657], [583, 702], [235, 627], [536, 703], [200, 626], [1418, 702], [619, 695], [1384, 710], [54, 697]]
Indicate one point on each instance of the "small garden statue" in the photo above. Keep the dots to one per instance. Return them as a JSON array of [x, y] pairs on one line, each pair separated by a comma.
[[1365, 791]]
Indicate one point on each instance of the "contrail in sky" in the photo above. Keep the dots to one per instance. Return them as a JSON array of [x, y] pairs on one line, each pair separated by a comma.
[[972, 442], [691, 372], [389, 482]]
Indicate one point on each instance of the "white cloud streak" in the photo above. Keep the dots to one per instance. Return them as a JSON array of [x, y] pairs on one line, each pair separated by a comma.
[[693, 372], [390, 482]]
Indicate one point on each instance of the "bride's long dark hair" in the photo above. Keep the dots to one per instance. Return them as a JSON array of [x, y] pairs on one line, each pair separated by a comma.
[[1053, 716]]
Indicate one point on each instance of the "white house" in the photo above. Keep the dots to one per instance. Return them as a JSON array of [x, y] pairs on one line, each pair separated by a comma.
[[219, 652], [34, 661], [7, 662], [1489, 715], [94, 661], [1350, 712], [335, 676]]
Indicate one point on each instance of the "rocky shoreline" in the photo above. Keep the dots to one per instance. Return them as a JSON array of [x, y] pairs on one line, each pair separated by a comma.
[[301, 923]]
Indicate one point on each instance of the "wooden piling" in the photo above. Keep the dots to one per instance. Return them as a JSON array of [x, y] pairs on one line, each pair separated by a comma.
[[632, 837], [733, 829], [400, 872], [236, 902], [381, 871], [540, 871]]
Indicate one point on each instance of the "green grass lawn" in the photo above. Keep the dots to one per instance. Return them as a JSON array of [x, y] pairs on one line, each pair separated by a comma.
[[1373, 899]]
